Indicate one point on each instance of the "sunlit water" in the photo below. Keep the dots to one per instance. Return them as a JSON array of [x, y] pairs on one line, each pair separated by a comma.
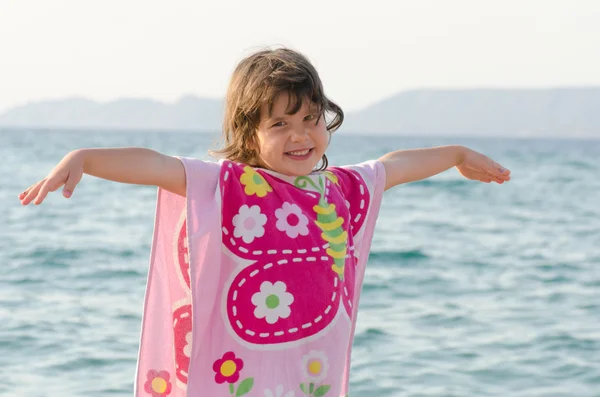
[[471, 289]]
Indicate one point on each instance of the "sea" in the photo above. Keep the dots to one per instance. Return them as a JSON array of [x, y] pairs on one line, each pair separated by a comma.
[[471, 289]]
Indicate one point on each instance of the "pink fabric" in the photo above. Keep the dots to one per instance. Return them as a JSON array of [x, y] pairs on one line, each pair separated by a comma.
[[277, 265]]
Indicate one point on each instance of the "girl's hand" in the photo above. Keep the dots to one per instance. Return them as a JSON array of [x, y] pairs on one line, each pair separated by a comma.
[[476, 166], [68, 173]]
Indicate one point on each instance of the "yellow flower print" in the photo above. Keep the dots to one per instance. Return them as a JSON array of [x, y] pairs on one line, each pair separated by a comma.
[[254, 183], [158, 384], [227, 369], [331, 176], [315, 366]]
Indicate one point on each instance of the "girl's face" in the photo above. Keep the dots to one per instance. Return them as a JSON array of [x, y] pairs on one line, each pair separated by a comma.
[[291, 144]]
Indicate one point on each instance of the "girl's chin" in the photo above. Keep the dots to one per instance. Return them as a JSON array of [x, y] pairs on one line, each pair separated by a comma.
[[292, 167], [295, 170]]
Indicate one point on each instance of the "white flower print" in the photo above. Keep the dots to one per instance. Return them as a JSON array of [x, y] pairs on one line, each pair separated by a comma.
[[315, 366], [291, 220], [187, 349], [249, 223], [279, 392], [272, 302]]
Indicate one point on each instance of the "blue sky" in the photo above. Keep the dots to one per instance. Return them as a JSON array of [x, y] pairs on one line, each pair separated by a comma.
[[364, 51]]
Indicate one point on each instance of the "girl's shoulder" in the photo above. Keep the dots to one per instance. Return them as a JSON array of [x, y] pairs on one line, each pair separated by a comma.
[[196, 167], [202, 176], [370, 173]]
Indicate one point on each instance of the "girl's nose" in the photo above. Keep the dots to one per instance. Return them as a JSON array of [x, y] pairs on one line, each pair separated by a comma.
[[299, 135]]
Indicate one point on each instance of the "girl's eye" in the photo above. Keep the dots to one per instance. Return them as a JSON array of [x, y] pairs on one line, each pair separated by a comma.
[[306, 118]]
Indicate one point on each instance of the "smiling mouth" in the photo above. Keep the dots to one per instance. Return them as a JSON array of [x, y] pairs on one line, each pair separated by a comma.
[[300, 153]]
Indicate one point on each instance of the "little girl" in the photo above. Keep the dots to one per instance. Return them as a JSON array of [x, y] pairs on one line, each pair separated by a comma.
[[258, 260]]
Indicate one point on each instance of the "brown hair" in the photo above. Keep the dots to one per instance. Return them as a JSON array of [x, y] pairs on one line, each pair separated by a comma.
[[259, 79]]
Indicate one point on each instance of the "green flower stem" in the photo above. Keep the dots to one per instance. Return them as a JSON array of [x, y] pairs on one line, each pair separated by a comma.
[[303, 181]]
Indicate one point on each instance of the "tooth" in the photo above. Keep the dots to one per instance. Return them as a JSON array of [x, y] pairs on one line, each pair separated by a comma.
[[300, 153]]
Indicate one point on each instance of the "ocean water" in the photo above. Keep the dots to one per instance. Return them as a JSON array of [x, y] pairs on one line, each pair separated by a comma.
[[471, 289]]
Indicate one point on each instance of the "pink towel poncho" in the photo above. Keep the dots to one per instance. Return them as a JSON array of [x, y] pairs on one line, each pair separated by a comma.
[[254, 281]]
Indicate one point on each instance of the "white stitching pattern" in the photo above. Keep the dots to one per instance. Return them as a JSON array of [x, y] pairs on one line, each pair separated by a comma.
[[291, 330]]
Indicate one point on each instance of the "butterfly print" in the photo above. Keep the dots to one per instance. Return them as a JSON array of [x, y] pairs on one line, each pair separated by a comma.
[[299, 235]]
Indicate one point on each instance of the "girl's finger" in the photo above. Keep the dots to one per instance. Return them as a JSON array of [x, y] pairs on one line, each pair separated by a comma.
[[485, 166], [500, 171], [499, 176], [49, 186], [504, 178], [55, 183], [485, 177], [32, 192], [482, 177], [70, 184], [22, 195], [493, 177], [43, 192]]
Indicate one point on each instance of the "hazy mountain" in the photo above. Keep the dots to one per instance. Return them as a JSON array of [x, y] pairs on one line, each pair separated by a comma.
[[189, 113], [508, 112], [532, 112]]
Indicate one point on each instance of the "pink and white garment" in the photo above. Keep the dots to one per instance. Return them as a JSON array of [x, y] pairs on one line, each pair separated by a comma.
[[254, 281]]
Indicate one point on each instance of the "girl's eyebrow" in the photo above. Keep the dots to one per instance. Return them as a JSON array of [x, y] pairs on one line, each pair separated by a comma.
[[276, 119], [281, 118]]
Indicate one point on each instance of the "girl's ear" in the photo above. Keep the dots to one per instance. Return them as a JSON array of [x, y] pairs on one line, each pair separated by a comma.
[[252, 142]]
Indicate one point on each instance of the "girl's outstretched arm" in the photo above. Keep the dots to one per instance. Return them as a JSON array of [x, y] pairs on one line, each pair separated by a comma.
[[127, 165], [404, 166]]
